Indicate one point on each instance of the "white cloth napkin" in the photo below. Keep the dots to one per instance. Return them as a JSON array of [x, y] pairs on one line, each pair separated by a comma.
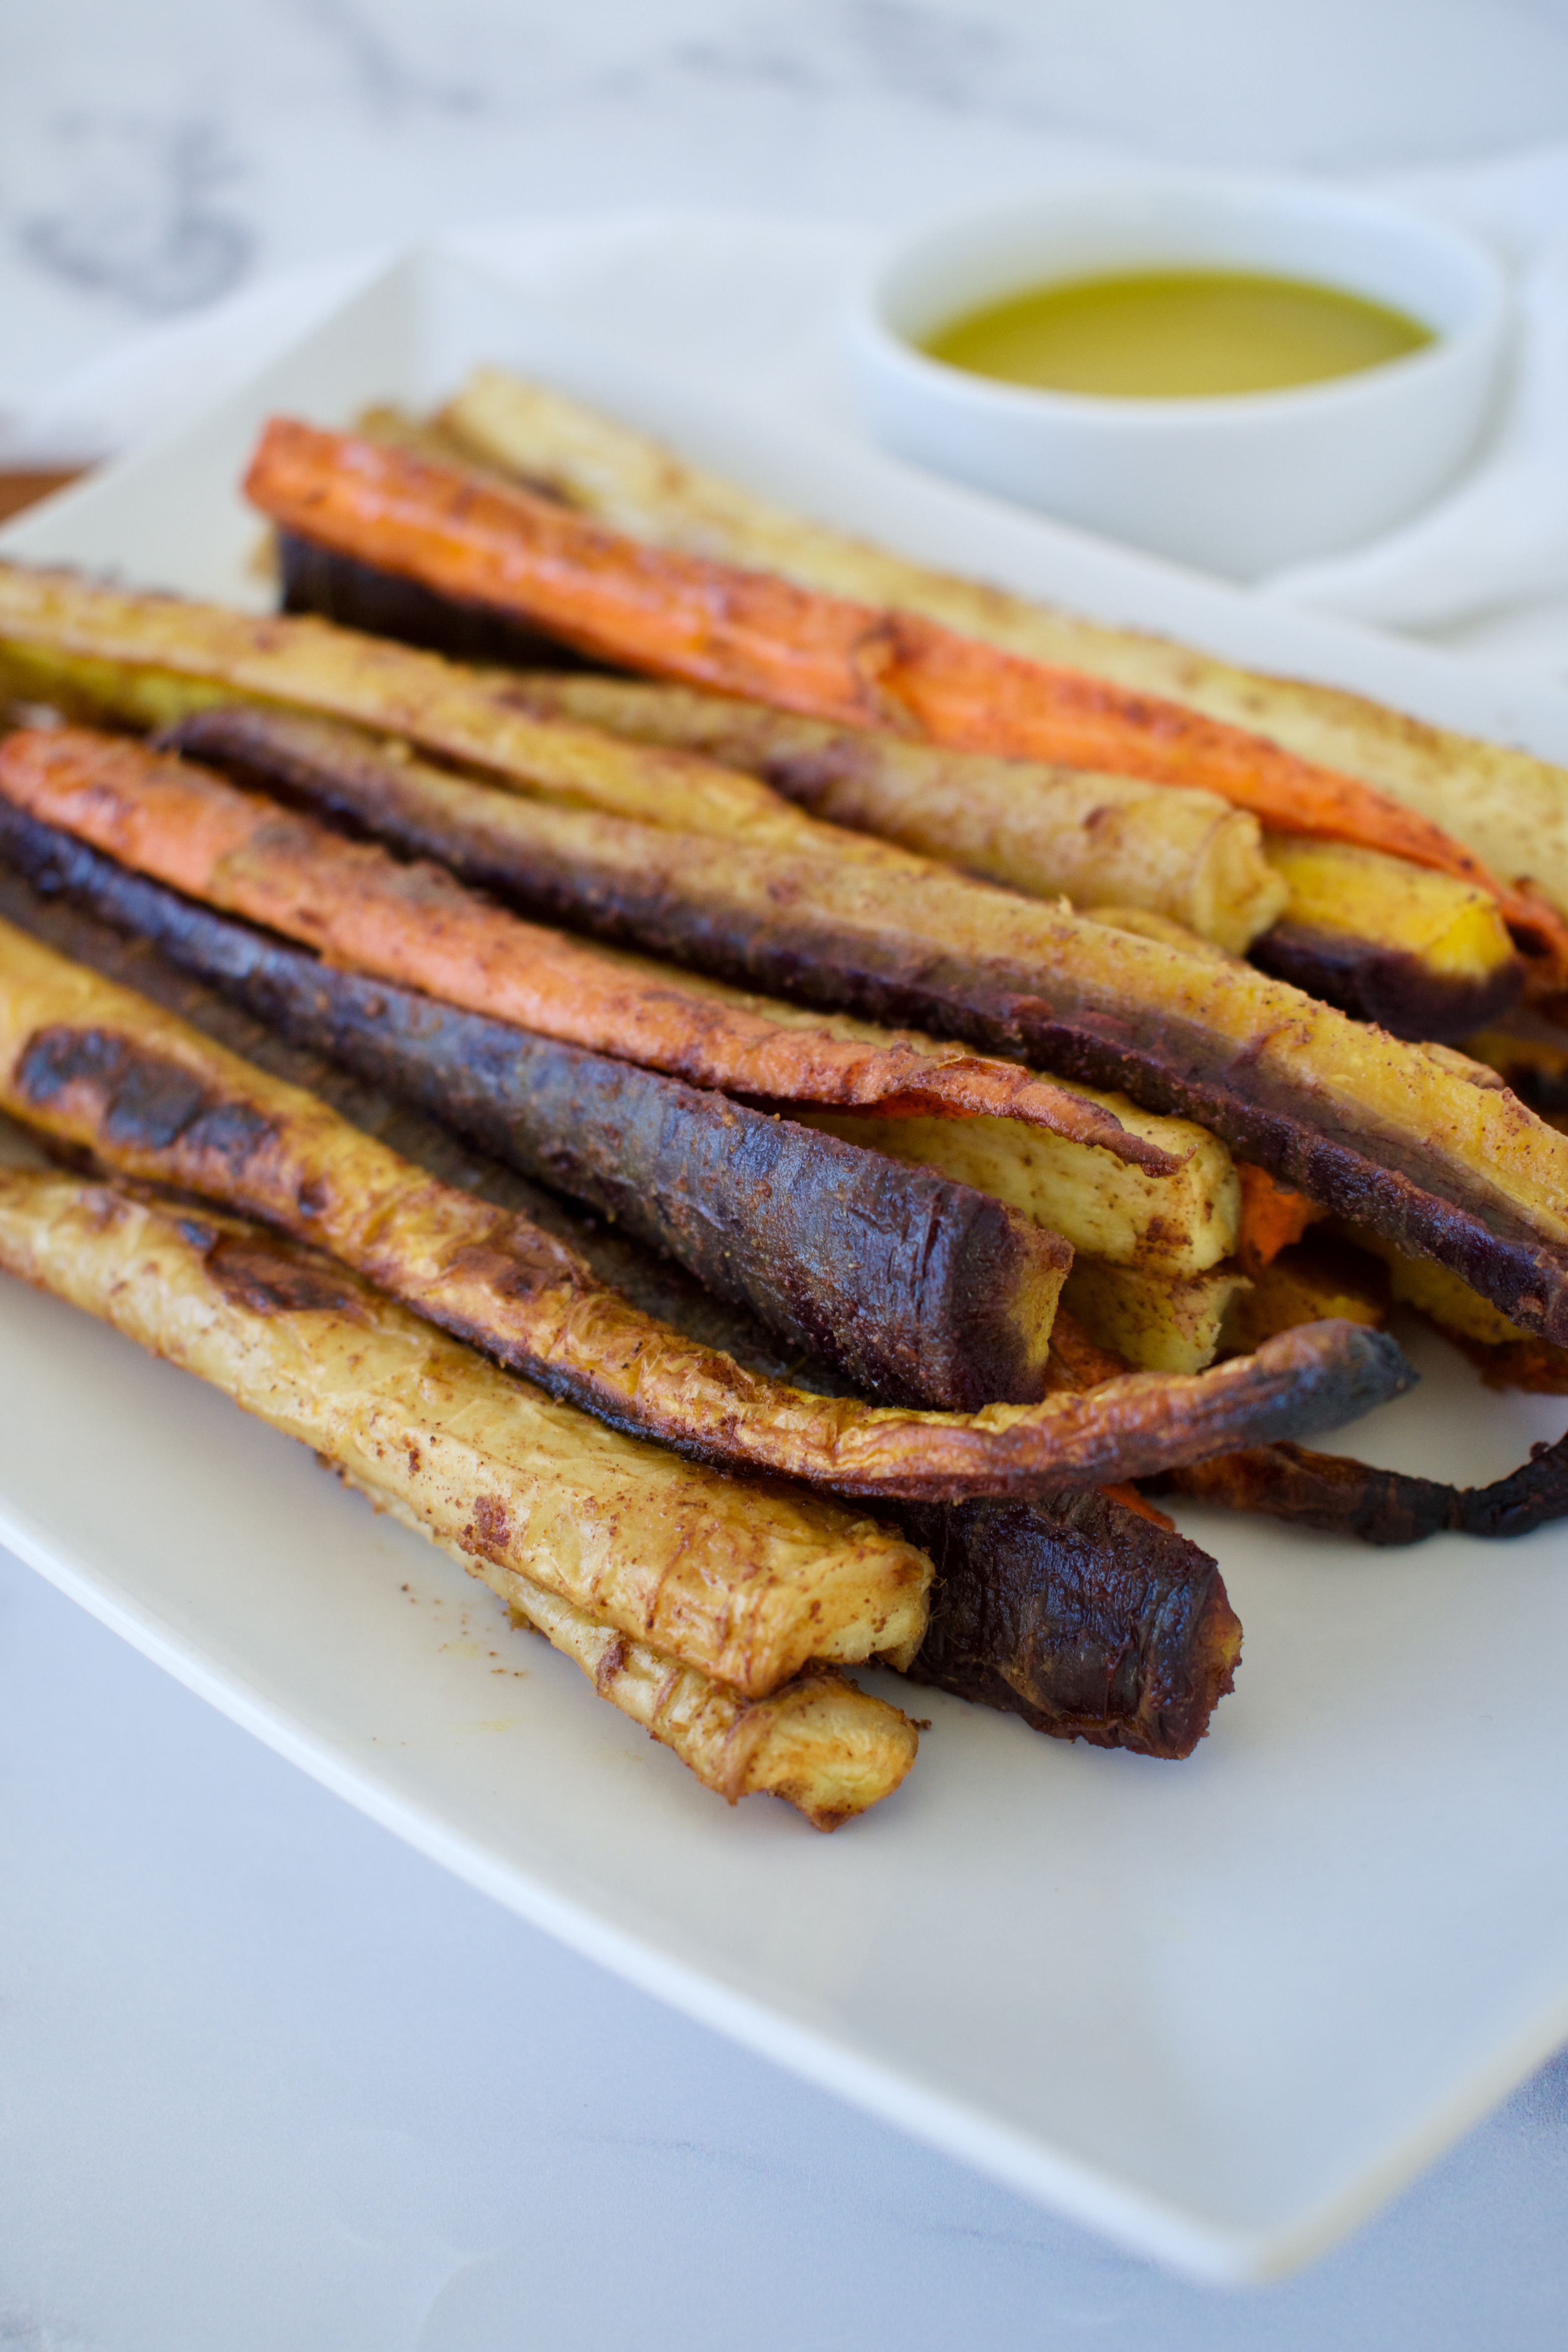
[[1486, 565], [1484, 569]]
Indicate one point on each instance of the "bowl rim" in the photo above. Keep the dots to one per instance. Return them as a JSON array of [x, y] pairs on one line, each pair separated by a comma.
[[868, 326]]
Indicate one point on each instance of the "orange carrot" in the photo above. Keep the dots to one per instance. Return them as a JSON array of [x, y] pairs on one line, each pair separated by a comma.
[[1272, 1217], [359, 907], [751, 633], [1130, 1499]]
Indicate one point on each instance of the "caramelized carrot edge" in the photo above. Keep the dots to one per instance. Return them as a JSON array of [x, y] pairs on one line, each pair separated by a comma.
[[1272, 1217], [356, 905], [1132, 1499], [751, 633]]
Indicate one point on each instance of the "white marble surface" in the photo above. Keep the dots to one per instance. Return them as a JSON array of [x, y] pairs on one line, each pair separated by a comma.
[[155, 153], [267, 2078]]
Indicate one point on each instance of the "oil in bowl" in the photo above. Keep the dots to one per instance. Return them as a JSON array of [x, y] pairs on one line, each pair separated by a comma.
[[1236, 373], [1177, 334]]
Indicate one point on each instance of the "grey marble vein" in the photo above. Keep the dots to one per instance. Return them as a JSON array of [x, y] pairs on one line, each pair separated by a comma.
[[153, 158], [141, 213], [382, 76]]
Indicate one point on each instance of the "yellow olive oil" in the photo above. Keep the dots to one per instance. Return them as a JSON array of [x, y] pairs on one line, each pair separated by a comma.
[[1177, 334]]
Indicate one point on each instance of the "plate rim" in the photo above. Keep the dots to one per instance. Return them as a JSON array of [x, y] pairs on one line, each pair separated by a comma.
[[1138, 2218]]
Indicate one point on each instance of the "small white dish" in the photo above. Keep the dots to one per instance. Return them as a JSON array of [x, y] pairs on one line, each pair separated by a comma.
[[1238, 484]]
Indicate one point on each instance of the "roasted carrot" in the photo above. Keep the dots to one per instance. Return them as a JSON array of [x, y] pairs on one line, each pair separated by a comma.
[[1346, 1497], [416, 924], [105, 1070], [1129, 1499], [1272, 1217], [751, 633], [1396, 1136]]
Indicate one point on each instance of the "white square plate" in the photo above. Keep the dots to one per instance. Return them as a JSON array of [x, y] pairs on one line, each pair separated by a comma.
[[1219, 2008]]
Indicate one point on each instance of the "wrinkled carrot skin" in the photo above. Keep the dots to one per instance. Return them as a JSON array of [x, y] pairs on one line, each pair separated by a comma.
[[610, 595], [356, 906], [1272, 1217], [752, 634], [105, 1070]]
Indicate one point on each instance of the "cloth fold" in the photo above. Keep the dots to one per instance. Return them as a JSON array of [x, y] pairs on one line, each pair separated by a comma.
[[1488, 560]]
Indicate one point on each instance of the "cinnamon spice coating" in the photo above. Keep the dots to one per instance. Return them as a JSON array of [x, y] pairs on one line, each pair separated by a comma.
[[1099, 839], [1083, 1615], [1510, 809], [1381, 1133], [353, 903], [758, 635], [610, 1547], [921, 1290], [1053, 831], [105, 1070], [661, 1290], [1392, 1135]]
